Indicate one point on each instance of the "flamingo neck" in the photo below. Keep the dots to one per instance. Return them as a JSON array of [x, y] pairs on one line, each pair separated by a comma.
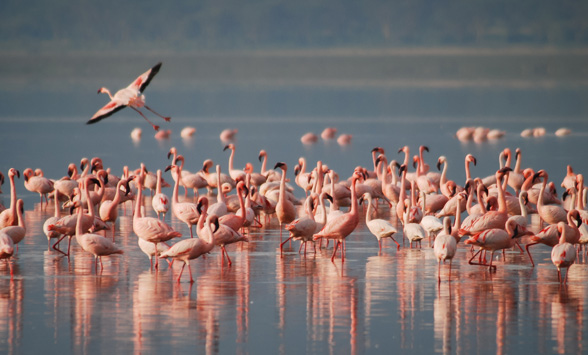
[[138, 202]]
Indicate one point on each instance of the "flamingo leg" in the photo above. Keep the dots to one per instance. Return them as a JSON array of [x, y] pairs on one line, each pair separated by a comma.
[[181, 271], [397, 244], [155, 127], [282, 244], [471, 261], [167, 119], [334, 251], [450, 264], [529, 253], [190, 271], [439, 271], [380, 244], [491, 259]]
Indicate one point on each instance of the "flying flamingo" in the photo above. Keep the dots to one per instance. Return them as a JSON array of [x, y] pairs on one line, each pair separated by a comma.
[[341, 226], [445, 247], [190, 249], [8, 217], [380, 228], [131, 96], [563, 254]]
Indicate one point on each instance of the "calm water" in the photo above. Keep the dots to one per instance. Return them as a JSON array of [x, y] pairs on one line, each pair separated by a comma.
[[372, 303]]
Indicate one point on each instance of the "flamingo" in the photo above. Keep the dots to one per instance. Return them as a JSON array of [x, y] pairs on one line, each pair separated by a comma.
[[341, 226], [131, 96], [148, 228], [186, 212], [18, 232], [39, 184], [302, 228], [109, 209], [235, 174], [284, 208], [190, 249], [6, 249], [160, 201], [380, 228], [493, 239], [563, 254], [445, 247], [551, 214], [233, 220], [8, 217], [225, 235], [490, 219], [94, 244], [149, 249], [52, 234], [220, 207]]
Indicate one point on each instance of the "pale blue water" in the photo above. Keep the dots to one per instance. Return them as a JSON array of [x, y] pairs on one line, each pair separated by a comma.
[[370, 304]]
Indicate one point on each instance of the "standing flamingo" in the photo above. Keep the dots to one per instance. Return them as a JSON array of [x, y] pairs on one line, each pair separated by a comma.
[[563, 254], [17, 233], [6, 249], [148, 228], [302, 228], [160, 201], [445, 247], [341, 226], [284, 208], [186, 212], [190, 249], [380, 228], [493, 239], [551, 214], [94, 244], [131, 96], [8, 217], [52, 234], [39, 184]]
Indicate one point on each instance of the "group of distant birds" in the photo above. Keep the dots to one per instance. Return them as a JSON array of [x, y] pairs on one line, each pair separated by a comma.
[[481, 134]]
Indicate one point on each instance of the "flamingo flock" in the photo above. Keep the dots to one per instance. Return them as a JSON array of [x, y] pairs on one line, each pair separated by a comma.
[[417, 205]]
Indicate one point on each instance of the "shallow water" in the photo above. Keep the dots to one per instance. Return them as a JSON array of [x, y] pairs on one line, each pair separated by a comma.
[[371, 303]]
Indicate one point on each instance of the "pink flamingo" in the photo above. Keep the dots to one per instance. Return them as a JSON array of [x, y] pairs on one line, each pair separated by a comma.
[[148, 228], [160, 201], [340, 227], [224, 236], [284, 208], [493, 239], [8, 217], [490, 219], [6, 249], [52, 234], [563, 254], [380, 228], [186, 212], [233, 220], [109, 209], [131, 96], [302, 228], [551, 214], [94, 243], [39, 184], [235, 174], [190, 249], [18, 232], [445, 247]]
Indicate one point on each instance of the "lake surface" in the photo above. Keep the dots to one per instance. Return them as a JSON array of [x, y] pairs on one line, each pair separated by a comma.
[[371, 303]]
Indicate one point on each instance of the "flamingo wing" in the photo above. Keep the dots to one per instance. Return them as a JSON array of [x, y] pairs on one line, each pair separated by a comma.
[[106, 111], [144, 79]]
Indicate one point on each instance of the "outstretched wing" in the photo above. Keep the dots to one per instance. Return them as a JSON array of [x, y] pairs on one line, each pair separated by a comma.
[[144, 79], [108, 109]]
